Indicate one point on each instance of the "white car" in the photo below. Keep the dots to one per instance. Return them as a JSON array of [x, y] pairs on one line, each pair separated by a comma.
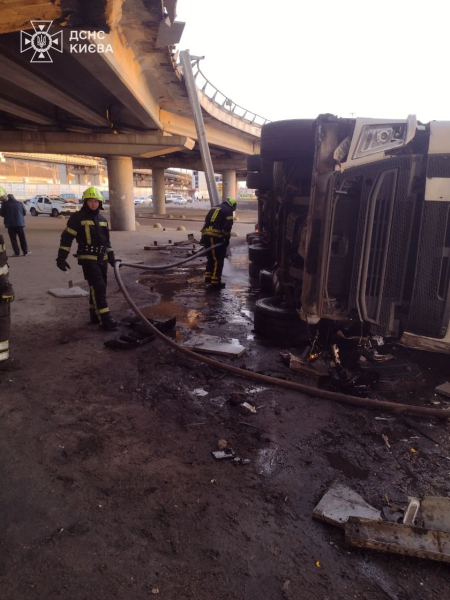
[[52, 205], [143, 200], [179, 200]]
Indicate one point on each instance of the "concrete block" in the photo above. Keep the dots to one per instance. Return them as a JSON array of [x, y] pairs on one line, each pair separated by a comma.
[[73, 292], [340, 502]]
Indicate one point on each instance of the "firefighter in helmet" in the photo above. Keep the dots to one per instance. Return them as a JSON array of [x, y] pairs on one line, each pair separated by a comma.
[[6, 297], [216, 230], [94, 252]]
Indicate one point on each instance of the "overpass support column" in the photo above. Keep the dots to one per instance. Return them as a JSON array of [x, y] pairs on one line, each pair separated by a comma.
[[159, 197], [121, 193], [228, 185]]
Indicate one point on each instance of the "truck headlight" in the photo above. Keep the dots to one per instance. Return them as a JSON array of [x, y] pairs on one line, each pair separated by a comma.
[[378, 138]]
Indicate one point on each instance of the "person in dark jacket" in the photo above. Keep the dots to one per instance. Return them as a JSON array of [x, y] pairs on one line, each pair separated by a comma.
[[6, 297], [13, 213], [216, 230], [94, 252]]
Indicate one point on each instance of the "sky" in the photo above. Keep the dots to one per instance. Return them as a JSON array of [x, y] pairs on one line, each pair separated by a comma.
[[296, 59]]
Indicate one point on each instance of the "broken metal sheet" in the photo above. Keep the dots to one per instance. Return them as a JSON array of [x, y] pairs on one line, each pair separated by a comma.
[[340, 502], [69, 292], [436, 513], [211, 344], [399, 539]]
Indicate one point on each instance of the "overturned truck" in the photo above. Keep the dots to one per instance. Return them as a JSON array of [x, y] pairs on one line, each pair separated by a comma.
[[354, 225]]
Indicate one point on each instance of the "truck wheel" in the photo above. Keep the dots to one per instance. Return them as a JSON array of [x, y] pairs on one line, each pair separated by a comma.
[[259, 254], [254, 163], [284, 140], [260, 181], [253, 271], [274, 322], [33, 212], [252, 238], [265, 280], [55, 212]]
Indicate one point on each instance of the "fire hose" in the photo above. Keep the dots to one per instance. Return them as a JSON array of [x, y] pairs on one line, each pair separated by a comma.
[[369, 403]]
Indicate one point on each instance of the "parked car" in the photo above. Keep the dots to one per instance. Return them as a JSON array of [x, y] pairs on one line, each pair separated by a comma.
[[51, 205], [170, 198], [179, 200], [354, 226], [70, 198], [189, 199], [138, 201], [143, 200]]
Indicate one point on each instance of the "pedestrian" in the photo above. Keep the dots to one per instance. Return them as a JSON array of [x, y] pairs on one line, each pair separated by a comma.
[[217, 229], [13, 213], [91, 231], [6, 297]]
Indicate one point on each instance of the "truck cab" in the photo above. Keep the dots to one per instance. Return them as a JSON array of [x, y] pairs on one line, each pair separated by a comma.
[[355, 221]]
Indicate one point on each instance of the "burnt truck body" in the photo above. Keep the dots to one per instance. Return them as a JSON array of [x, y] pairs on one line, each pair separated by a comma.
[[354, 224]]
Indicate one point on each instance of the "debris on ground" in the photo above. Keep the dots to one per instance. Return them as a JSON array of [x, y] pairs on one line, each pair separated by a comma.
[[68, 292], [225, 453], [249, 407], [340, 502], [222, 444], [399, 539], [210, 344], [436, 513], [443, 389]]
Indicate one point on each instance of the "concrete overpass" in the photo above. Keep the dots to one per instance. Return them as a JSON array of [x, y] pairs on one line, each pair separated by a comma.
[[118, 94]]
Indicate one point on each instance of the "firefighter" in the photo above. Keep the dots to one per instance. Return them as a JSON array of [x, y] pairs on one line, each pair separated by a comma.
[[217, 229], [3, 194], [94, 252], [6, 297]]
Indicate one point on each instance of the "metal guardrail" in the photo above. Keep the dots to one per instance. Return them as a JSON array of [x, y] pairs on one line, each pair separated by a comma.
[[221, 100]]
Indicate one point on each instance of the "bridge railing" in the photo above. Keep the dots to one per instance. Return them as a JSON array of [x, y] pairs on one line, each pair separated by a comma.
[[221, 100]]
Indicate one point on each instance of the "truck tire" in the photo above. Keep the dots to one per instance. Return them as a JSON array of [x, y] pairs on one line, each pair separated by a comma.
[[55, 212], [290, 139], [33, 212], [254, 163], [258, 254], [252, 238], [265, 280], [278, 323], [253, 271], [260, 181]]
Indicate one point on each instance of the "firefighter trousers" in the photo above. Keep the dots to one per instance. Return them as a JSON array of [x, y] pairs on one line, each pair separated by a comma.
[[95, 274], [5, 326], [215, 260]]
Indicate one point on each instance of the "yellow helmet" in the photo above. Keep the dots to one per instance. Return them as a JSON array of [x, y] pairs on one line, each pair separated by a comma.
[[92, 192], [3, 193]]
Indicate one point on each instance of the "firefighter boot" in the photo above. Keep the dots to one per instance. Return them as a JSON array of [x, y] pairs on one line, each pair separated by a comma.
[[108, 324]]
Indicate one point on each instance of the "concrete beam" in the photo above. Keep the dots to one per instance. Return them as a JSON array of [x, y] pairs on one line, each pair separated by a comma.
[[94, 15], [217, 135], [100, 144], [122, 74], [27, 80], [25, 113], [187, 162]]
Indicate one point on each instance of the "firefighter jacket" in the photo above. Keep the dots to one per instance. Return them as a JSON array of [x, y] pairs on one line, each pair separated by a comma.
[[219, 221], [91, 232], [6, 289]]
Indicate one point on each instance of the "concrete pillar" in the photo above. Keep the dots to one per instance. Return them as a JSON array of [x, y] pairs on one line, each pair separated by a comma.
[[121, 193], [159, 197], [62, 174], [228, 185]]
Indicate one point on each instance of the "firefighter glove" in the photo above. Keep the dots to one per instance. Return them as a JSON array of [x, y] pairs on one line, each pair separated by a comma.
[[62, 264], [111, 258]]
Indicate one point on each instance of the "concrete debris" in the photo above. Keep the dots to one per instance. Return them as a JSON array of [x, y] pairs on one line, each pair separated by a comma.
[[436, 513], [69, 292], [249, 407], [319, 368], [211, 344], [411, 511], [340, 502], [443, 389], [399, 539], [225, 453], [222, 444]]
